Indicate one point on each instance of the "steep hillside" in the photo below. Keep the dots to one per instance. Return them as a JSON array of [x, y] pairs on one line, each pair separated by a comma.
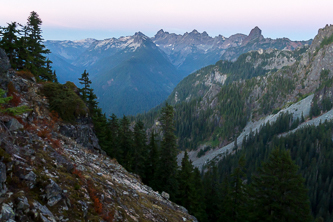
[[51, 170], [248, 65]]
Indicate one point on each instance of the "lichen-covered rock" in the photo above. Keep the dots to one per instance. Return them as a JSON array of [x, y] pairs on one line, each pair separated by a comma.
[[7, 212], [23, 204], [30, 179], [3, 177], [4, 62], [83, 133], [165, 195], [53, 193], [13, 125], [44, 213]]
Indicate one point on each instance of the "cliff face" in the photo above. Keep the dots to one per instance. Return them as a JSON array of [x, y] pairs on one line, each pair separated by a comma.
[[56, 171]]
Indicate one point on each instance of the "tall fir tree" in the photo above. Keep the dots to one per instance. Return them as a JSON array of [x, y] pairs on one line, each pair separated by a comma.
[[212, 194], [236, 202], [198, 205], [35, 60], [9, 42], [167, 170], [152, 162], [126, 143], [116, 152], [85, 81], [186, 186], [139, 149], [279, 192]]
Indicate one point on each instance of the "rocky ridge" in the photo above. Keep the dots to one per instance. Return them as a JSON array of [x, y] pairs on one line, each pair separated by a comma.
[[55, 171], [208, 81], [194, 50], [310, 77]]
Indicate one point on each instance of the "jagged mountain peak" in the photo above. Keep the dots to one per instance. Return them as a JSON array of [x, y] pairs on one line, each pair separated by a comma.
[[194, 31], [254, 34], [160, 33], [140, 34], [139, 38], [323, 33], [256, 31]]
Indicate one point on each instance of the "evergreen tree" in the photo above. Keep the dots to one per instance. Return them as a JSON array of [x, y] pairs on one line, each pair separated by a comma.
[[114, 149], [167, 171], [87, 93], [186, 185], [236, 202], [212, 192], [126, 144], [9, 42], [152, 163], [92, 101], [34, 60], [101, 129], [198, 205], [85, 81], [279, 190], [139, 149]]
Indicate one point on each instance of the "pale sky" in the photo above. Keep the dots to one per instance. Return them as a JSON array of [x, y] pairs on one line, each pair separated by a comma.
[[101, 19]]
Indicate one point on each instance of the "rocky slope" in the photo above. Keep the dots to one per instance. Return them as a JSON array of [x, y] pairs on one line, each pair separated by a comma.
[[208, 81], [55, 171]]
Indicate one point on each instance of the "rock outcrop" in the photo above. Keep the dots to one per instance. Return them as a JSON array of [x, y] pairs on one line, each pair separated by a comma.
[[56, 171]]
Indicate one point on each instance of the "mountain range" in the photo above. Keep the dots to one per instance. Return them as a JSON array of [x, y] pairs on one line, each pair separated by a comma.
[[135, 73]]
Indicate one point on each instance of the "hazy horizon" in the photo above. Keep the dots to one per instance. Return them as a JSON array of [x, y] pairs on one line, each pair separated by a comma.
[[76, 20]]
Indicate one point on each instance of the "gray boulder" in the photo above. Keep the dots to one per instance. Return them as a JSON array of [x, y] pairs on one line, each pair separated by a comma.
[[3, 177], [45, 213], [53, 193], [22, 202], [165, 195], [13, 125], [30, 179], [7, 213], [4, 62], [83, 133]]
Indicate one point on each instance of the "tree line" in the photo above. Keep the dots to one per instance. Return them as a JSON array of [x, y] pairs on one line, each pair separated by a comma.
[[24, 47]]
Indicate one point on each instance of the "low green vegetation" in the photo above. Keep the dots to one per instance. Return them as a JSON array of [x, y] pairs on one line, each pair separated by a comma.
[[64, 100], [15, 111], [326, 41], [203, 151]]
